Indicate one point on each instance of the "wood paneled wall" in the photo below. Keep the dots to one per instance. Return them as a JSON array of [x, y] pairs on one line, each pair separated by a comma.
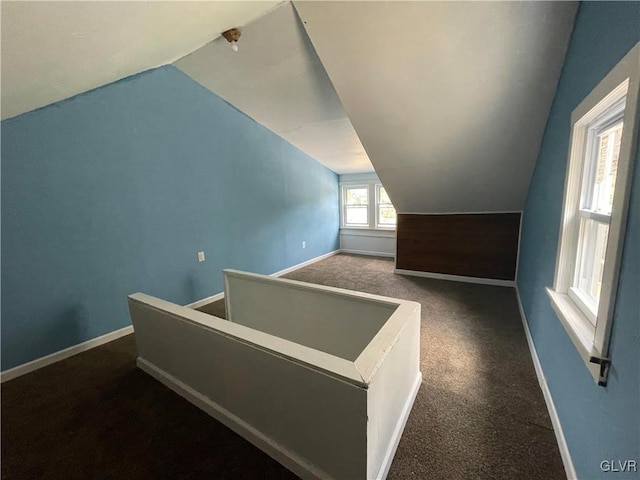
[[481, 245]]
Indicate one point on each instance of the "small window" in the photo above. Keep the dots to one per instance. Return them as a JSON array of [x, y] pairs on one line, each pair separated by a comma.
[[598, 187], [386, 213], [365, 205], [594, 212], [356, 206]]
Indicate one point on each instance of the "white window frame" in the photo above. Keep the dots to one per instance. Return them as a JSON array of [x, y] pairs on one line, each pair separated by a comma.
[[344, 205], [371, 182], [612, 115], [591, 335], [382, 226]]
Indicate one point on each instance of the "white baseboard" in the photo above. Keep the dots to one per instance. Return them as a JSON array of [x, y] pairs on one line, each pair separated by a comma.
[[220, 296], [206, 301], [95, 342], [62, 354], [456, 278], [397, 432], [304, 264], [286, 457], [553, 413], [364, 252]]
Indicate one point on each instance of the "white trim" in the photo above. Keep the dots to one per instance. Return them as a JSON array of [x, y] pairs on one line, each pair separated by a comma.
[[108, 337], [344, 206], [519, 244], [459, 213], [623, 79], [289, 459], [598, 217], [397, 432], [41, 362], [350, 178], [456, 278], [206, 301], [304, 264], [367, 253], [587, 305], [373, 184], [573, 320], [220, 296], [376, 220], [617, 227], [553, 413], [368, 232]]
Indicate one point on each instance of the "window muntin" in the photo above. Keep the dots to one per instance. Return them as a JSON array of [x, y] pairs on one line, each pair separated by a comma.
[[356, 206], [385, 212]]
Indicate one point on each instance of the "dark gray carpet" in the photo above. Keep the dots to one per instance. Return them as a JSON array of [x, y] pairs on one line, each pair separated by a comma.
[[479, 413]]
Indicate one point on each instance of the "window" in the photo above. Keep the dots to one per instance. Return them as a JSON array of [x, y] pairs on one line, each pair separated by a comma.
[[594, 212], [385, 212], [365, 205], [356, 206]]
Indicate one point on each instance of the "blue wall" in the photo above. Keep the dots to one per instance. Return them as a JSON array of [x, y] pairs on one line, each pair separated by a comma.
[[599, 423], [116, 190]]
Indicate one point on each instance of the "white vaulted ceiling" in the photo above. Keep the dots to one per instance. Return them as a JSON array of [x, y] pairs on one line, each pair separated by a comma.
[[277, 79], [54, 50], [449, 99]]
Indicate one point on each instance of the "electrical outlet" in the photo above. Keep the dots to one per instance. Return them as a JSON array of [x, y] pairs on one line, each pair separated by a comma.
[[304, 244], [201, 256]]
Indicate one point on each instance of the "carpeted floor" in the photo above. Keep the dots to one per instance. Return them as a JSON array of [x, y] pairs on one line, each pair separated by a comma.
[[479, 414]]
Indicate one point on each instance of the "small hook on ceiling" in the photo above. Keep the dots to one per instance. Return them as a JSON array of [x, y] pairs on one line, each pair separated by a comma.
[[232, 36]]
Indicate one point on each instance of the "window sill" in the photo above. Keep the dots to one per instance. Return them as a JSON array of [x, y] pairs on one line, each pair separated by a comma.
[[577, 326], [368, 232]]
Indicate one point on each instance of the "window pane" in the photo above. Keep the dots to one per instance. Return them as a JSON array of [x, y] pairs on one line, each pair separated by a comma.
[[606, 168], [357, 196], [383, 197], [386, 215], [357, 215], [592, 249]]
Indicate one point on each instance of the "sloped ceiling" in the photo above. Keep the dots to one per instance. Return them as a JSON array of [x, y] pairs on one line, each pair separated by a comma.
[[54, 50], [277, 79], [449, 99]]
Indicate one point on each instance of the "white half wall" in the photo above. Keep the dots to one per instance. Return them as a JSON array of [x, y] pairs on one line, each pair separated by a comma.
[[41, 362], [368, 242], [339, 325]]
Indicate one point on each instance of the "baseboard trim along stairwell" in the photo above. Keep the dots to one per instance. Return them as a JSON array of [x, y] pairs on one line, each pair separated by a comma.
[[289, 459], [456, 278], [63, 354], [304, 264], [367, 253], [553, 413], [220, 296], [54, 357], [286, 457], [399, 428]]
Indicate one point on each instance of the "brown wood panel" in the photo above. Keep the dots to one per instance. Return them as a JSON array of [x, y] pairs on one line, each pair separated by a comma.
[[474, 245]]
